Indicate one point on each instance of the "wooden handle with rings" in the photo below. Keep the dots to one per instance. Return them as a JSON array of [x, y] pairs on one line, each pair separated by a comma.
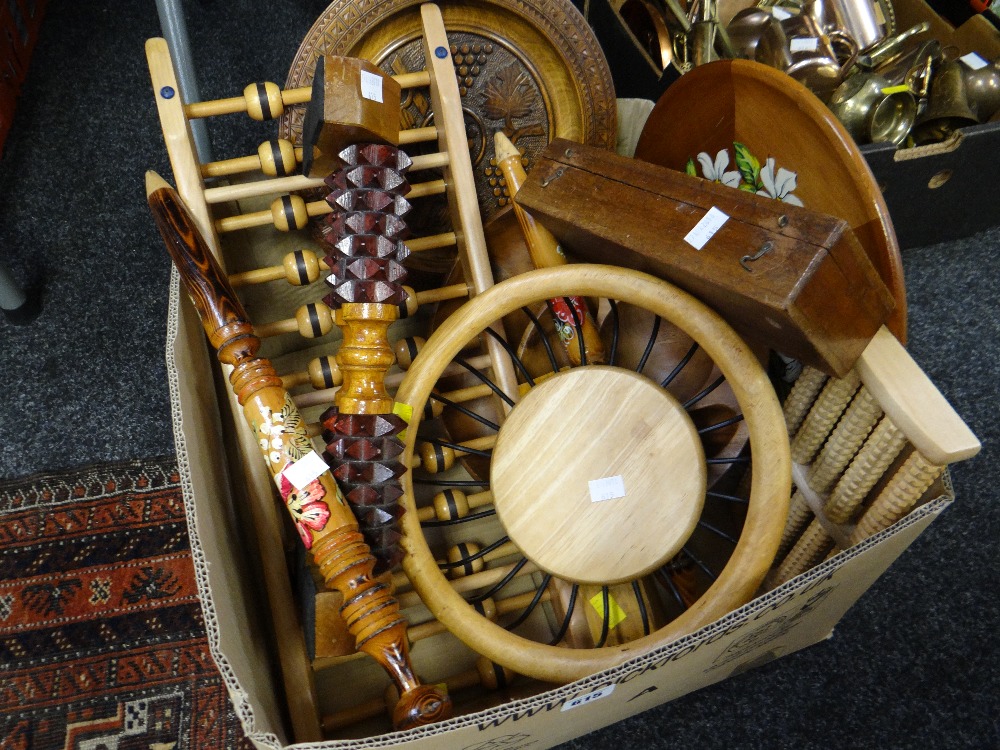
[[574, 323], [320, 513]]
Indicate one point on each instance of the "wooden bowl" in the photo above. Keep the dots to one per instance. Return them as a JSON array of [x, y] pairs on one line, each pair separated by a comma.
[[741, 101]]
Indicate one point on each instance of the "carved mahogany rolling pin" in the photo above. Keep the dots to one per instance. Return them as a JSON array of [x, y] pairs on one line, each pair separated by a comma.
[[321, 515]]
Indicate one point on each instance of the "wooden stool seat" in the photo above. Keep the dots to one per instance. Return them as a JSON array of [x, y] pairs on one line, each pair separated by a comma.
[[599, 511]]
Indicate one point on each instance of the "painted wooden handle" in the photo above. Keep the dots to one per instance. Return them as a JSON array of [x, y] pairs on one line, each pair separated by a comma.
[[321, 514], [571, 313]]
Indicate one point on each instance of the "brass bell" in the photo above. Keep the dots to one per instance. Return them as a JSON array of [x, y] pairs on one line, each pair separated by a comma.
[[947, 108]]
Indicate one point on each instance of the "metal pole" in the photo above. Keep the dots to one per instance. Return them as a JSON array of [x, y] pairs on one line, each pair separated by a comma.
[[18, 307], [174, 27]]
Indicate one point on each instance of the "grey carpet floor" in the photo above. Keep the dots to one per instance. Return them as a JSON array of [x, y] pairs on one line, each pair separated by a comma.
[[913, 665]]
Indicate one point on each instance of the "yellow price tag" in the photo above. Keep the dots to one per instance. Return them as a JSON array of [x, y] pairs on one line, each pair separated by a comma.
[[615, 613], [405, 412], [895, 89]]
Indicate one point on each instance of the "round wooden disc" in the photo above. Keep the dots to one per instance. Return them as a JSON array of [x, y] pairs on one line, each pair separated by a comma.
[[601, 510]]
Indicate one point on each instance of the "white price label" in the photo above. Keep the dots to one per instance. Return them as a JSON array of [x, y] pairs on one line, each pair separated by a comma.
[[305, 470], [371, 86], [583, 700], [974, 61], [804, 44], [607, 488], [780, 13], [710, 224]]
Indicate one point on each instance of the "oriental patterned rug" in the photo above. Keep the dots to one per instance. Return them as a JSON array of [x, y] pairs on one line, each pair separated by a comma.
[[102, 641]]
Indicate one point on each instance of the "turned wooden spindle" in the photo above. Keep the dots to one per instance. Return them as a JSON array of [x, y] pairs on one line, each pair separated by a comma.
[[280, 157], [918, 424], [872, 462], [467, 558], [298, 268], [847, 437], [839, 448], [311, 321], [435, 458], [296, 182], [486, 674], [321, 373], [832, 400], [303, 267], [451, 504], [571, 313], [267, 101], [275, 158], [798, 402], [327, 394], [316, 319], [429, 296], [798, 518], [317, 507], [816, 427], [290, 212], [484, 579]]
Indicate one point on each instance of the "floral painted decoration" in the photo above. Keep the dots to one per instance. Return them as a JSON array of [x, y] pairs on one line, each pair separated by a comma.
[[748, 175], [308, 509], [278, 435]]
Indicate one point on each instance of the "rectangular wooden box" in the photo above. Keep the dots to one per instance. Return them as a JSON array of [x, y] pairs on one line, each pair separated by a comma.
[[782, 275]]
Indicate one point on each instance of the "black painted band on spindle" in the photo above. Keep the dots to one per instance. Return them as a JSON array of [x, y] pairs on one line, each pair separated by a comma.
[[279, 163], [300, 267], [499, 675], [317, 331], [449, 496], [288, 210], [327, 372], [464, 553], [265, 106]]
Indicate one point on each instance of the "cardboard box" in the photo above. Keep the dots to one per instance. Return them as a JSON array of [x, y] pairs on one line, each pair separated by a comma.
[[256, 630], [937, 192], [796, 614]]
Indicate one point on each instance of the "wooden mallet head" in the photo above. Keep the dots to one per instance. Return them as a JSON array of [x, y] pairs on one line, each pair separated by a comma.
[[352, 102]]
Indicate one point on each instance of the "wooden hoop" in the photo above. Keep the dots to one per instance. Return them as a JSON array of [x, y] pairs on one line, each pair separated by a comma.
[[770, 483]]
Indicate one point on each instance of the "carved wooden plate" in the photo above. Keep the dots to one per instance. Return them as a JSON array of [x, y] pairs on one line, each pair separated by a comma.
[[773, 116], [531, 68]]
